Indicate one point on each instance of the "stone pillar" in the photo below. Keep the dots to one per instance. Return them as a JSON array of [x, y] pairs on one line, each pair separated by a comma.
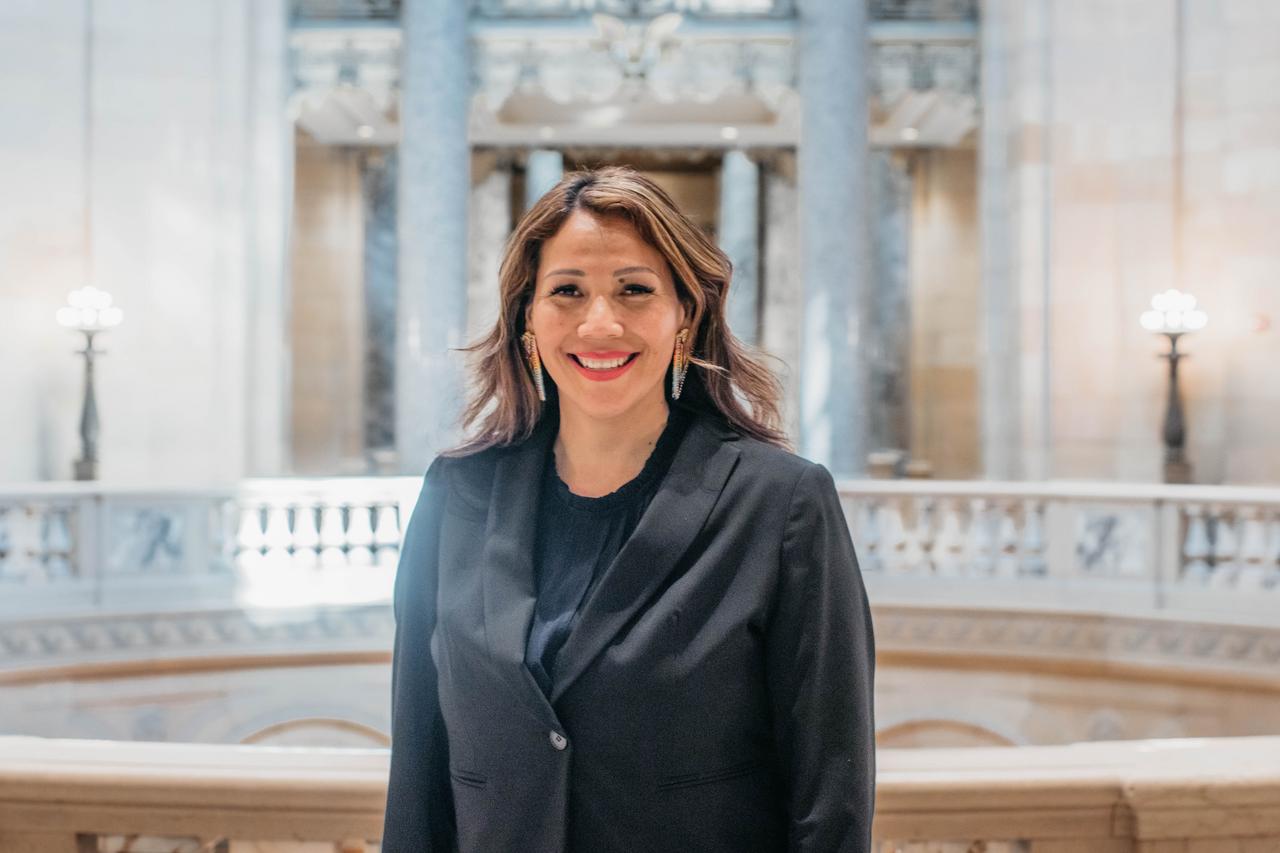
[[270, 190], [889, 335], [999, 333], [490, 227], [780, 334], [834, 234], [435, 178], [381, 283], [740, 239], [543, 170]]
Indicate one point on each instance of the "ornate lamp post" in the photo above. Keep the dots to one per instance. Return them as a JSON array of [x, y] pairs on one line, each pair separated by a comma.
[[89, 311], [1174, 314]]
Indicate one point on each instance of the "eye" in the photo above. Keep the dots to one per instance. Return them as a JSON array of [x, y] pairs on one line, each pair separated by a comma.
[[629, 289]]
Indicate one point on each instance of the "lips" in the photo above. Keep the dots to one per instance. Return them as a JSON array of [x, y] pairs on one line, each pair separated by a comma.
[[603, 375], [630, 358]]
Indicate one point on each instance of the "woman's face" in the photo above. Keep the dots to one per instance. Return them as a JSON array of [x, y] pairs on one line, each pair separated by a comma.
[[603, 293]]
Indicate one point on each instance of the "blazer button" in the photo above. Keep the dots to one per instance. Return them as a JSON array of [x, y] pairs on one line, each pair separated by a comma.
[[558, 740]]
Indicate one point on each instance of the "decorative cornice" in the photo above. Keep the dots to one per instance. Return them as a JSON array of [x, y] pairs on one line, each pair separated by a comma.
[[1082, 643], [108, 638]]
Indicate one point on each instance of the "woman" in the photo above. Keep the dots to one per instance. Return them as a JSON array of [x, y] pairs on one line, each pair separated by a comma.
[[628, 618]]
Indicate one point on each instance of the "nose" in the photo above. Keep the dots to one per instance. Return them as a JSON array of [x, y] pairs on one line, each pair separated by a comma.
[[600, 321]]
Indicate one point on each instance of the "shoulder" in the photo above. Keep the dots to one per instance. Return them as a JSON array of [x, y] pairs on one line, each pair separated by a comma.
[[467, 478], [774, 469]]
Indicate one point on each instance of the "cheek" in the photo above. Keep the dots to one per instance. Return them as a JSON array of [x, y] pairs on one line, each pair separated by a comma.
[[545, 322]]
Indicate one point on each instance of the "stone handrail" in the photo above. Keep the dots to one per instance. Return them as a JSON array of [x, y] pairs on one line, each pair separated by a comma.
[[1106, 797]]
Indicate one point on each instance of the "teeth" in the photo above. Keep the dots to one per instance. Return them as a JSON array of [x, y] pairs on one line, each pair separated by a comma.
[[602, 364]]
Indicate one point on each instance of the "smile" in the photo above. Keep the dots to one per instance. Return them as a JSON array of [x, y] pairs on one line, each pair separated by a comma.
[[598, 374]]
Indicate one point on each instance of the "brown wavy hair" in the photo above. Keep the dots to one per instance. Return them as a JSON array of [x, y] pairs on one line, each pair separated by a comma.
[[504, 403]]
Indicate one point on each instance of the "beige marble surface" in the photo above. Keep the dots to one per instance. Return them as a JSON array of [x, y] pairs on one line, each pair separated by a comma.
[[1116, 796]]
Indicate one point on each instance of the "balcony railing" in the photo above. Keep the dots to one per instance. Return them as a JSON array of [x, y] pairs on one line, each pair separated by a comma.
[[389, 10], [67, 548], [711, 9], [924, 10], [345, 10], [1187, 551], [68, 796]]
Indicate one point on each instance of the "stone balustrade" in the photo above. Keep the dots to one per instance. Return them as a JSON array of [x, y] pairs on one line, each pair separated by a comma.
[[68, 548], [1194, 552], [1155, 796]]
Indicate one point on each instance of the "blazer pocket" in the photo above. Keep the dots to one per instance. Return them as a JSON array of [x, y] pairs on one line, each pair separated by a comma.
[[466, 777], [733, 771]]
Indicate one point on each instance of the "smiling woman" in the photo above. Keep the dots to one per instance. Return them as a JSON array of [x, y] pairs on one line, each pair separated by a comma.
[[605, 263], [647, 630]]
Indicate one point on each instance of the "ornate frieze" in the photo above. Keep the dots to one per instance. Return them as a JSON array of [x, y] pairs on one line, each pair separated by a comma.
[[103, 638], [642, 73]]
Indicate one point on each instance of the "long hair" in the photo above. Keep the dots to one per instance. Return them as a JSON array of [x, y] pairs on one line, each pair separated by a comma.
[[503, 405]]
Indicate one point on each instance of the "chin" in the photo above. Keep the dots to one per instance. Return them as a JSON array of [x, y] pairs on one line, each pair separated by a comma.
[[603, 406]]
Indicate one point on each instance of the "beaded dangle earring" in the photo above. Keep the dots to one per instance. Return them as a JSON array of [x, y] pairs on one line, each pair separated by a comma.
[[535, 363], [680, 363]]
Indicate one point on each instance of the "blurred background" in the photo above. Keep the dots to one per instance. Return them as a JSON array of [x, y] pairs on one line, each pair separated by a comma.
[[1014, 262]]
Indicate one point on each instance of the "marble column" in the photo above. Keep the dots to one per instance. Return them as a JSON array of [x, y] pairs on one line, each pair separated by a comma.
[[739, 229], [781, 321], [889, 335], [1000, 339], [490, 227], [543, 170], [435, 177], [269, 193], [381, 252], [834, 234]]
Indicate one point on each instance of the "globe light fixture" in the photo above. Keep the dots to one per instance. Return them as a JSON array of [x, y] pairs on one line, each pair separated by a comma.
[[89, 311], [1174, 314]]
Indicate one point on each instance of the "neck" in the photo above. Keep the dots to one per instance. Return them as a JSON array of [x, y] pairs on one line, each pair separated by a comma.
[[599, 454]]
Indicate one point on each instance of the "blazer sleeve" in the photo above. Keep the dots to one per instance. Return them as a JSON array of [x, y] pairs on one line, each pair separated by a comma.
[[419, 815], [820, 668]]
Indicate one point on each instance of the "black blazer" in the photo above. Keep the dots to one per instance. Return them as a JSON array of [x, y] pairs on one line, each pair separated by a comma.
[[715, 694]]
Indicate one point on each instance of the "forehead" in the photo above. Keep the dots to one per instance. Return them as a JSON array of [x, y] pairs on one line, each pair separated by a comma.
[[585, 235]]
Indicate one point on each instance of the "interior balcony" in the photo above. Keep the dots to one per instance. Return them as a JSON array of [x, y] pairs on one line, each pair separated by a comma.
[[1047, 613]]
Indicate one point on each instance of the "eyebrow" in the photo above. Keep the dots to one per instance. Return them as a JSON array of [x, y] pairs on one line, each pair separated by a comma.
[[623, 271]]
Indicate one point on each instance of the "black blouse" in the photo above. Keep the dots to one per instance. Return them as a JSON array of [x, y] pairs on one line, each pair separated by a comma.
[[577, 539]]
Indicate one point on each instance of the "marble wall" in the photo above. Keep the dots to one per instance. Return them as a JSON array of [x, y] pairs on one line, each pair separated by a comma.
[[143, 127], [327, 311], [945, 283], [1143, 153]]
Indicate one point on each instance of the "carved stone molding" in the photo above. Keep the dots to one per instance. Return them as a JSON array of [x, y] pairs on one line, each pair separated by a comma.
[[107, 638], [1102, 644], [1081, 643]]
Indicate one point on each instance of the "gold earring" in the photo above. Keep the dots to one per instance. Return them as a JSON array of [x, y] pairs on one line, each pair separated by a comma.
[[535, 363], [680, 364]]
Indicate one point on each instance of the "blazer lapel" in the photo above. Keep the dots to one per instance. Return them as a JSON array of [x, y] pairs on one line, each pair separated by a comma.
[[673, 518], [507, 563]]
